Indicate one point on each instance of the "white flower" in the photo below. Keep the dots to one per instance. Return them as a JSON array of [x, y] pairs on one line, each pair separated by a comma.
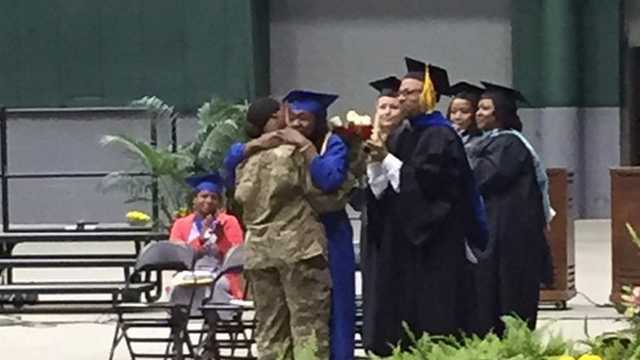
[[336, 121], [365, 120], [352, 116], [357, 119]]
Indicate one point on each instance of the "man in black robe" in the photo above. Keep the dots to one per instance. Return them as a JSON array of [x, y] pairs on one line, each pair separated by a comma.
[[422, 206]]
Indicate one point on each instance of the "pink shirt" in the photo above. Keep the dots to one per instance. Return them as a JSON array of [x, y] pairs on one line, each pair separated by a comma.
[[230, 236]]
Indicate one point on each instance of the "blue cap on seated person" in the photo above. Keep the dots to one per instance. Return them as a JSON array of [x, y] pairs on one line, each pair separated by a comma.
[[309, 101], [211, 182]]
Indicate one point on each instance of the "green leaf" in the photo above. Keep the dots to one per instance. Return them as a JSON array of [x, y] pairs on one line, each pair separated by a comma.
[[220, 124], [155, 105], [634, 235]]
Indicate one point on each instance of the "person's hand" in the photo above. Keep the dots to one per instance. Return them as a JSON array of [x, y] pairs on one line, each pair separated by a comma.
[[386, 123], [265, 141], [293, 137], [378, 135], [377, 150], [286, 113], [206, 225], [211, 247]]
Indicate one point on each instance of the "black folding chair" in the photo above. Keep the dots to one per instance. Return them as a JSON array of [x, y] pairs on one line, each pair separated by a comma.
[[237, 332], [158, 257]]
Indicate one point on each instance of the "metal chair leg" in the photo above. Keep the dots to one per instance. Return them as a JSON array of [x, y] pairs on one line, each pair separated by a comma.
[[175, 349], [115, 342], [167, 350], [128, 342]]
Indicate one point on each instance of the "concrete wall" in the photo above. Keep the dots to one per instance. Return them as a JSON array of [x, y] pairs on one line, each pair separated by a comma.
[[601, 151], [68, 141], [588, 152], [339, 46]]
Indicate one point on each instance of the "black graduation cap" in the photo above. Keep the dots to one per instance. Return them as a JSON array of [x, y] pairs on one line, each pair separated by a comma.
[[416, 70], [509, 93], [465, 88], [466, 91], [387, 87]]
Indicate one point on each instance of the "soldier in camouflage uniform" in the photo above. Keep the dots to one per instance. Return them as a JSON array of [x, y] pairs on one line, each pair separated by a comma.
[[286, 261]]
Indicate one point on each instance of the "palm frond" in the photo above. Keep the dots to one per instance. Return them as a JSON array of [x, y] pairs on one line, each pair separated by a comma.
[[217, 111], [217, 143], [156, 161], [118, 180], [155, 105], [220, 124], [633, 234]]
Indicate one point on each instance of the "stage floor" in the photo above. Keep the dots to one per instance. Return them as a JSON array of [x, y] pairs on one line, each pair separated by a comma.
[[81, 337]]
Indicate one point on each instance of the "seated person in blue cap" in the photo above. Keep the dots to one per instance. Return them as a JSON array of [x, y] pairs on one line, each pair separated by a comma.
[[286, 248], [211, 233]]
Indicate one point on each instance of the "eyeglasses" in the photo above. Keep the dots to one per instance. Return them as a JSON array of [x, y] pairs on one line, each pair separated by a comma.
[[406, 92]]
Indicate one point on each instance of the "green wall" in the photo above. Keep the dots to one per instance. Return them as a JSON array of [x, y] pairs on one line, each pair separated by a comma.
[[567, 53], [89, 52]]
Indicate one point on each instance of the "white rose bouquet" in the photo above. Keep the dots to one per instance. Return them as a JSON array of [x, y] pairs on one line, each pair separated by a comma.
[[354, 126]]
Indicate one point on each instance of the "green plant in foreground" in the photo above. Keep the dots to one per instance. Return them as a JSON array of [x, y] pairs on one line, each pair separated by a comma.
[[518, 343]]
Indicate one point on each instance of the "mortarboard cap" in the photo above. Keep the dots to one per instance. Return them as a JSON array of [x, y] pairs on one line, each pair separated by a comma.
[[211, 182], [509, 93], [313, 102], [465, 88], [387, 87], [416, 70]]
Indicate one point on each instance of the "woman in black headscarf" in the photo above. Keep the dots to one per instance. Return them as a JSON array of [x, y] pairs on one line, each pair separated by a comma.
[[505, 168]]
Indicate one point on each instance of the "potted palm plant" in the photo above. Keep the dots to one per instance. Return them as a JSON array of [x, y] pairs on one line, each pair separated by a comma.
[[220, 124]]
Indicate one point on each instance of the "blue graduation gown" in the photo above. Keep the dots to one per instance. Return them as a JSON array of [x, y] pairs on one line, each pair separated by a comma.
[[328, 172], [233, 158]]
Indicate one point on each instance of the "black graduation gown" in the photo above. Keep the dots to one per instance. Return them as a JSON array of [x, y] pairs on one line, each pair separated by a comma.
[[414, 264], [508, 281]]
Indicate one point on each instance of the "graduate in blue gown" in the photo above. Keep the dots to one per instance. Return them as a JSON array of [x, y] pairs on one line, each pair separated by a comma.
[[328, 156]]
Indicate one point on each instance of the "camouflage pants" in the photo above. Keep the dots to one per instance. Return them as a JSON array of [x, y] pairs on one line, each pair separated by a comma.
[[292, 309]]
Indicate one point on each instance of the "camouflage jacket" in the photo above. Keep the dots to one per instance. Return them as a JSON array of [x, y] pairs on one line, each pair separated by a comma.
[[281, 226]]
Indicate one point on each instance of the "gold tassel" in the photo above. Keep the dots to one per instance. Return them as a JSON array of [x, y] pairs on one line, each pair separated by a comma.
[[428, 96]]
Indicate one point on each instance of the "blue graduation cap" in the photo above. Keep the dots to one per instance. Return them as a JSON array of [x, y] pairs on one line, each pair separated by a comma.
[[313, 102], [211, 182]]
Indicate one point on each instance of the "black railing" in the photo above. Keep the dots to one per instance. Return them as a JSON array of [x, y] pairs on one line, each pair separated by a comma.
[[5, 175]]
